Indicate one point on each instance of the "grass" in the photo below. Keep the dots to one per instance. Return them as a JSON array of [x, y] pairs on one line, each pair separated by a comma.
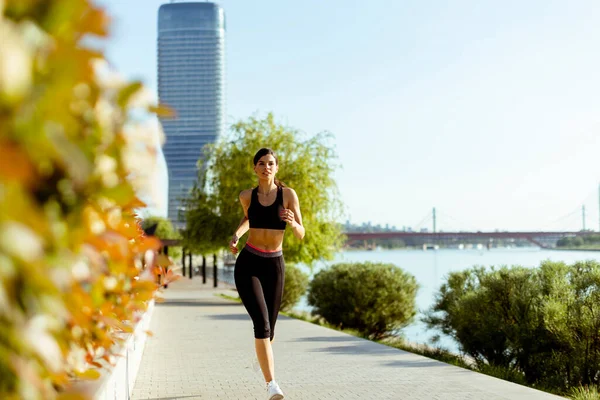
[[228, 297], [585, 393], [436, 353]]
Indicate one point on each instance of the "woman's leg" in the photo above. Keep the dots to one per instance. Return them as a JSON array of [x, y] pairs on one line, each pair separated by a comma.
[[264, 353], [272, 282], [248, 272]]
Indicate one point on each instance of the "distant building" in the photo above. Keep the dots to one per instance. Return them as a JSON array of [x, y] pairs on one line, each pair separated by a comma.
[[191, 80]]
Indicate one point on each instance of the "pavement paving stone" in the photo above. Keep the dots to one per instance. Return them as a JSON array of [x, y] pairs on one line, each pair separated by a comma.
[[203, 346]]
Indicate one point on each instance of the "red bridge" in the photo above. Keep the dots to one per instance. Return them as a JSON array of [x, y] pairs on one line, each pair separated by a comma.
[[542, 239]]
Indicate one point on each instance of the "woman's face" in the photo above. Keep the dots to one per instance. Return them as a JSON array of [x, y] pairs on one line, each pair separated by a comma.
[[266, 167]]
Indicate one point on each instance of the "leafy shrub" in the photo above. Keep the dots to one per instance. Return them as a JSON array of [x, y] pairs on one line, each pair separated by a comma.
[[71, 249], [477, 306], [373, 298], [295, 286], [542, 322]]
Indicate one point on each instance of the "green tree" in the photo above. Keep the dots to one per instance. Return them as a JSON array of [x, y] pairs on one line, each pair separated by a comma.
[[305, 164], [164, 230], [591, 239], [577, 241], [205, 232]]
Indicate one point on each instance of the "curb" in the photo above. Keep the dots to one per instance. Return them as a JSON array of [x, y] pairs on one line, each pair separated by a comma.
[[117, 382]]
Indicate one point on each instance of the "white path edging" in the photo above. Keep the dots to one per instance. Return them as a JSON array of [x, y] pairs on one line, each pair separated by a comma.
[[116, 383]]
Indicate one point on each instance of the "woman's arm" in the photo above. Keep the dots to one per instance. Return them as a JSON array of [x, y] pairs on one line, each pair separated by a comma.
[[292, 214], [244, 225]]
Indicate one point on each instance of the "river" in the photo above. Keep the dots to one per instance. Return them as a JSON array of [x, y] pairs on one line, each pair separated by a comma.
[[431, 267]]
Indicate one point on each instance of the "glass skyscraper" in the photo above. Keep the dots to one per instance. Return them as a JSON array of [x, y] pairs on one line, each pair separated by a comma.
[[191, 81]]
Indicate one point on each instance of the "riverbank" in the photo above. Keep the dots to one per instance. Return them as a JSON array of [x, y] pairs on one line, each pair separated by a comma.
[[576, 249]]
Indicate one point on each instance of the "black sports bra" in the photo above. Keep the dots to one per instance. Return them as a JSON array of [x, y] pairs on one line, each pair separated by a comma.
[[266, 217]]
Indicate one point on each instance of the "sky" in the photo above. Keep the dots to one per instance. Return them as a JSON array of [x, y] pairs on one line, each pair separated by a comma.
[[487, 111]]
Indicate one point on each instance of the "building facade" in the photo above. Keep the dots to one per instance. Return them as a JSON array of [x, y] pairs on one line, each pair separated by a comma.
[[191, 81]]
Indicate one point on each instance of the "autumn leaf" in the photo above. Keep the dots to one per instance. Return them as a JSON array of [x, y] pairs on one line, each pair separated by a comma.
[[72, 396], [127, 92], [15, 164], [95, 22], [163, 260], [90, 374], [162, 111]]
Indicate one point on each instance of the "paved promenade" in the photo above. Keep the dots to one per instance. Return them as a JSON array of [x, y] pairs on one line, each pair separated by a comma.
[[202, 348]]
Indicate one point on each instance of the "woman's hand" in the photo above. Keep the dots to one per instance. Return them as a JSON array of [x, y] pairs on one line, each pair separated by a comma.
[[233, 244], [287, 215]]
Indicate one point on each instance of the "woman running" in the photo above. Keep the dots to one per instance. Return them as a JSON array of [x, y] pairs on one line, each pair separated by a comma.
[[259, 269]]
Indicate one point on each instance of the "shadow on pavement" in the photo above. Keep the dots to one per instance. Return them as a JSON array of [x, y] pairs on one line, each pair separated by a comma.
[[372, 348], [329, 339], [229, 317], [359, 348], [426, 363], [195, 303]]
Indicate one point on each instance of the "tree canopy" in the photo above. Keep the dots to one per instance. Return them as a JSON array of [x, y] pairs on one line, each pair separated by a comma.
[[164, 228], [305, 164]]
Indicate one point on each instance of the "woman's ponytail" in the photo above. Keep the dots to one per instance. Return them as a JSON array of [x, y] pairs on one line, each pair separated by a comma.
[[279, 183]]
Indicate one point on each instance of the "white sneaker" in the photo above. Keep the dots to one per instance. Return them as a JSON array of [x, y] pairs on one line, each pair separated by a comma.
[[274, 391]]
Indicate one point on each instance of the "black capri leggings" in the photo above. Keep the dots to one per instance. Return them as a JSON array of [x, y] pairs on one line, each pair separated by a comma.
[[259, 278]]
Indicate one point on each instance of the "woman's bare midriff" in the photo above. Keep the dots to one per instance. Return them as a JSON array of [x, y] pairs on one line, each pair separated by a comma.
[[265, 239]]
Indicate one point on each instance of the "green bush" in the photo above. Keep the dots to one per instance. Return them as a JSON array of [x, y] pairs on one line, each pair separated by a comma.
[[376, 299], [484, 310], [296, 283], [541, 322]]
